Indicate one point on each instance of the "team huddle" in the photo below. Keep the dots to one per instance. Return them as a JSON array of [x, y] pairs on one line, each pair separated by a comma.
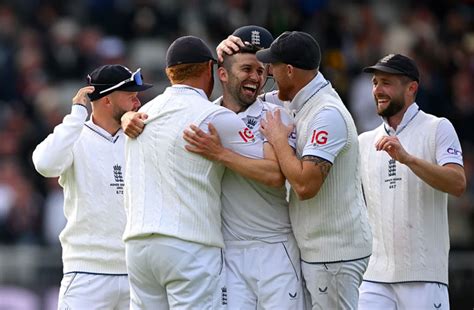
[[256, 200]]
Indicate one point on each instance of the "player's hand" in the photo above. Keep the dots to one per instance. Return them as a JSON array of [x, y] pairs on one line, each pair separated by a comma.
[[229, 46], [132, 123], [394, 148], [81, 96], [273, 128], [206, 145]]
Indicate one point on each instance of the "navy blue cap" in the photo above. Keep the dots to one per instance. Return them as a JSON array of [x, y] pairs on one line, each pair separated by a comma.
[[254, 35], [114, 77], [186, 50], [295, 48], [396, 64]]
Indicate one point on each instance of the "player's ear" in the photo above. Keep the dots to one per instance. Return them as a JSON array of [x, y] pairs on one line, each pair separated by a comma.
[[290, 70], [107, 100], [413, 87], [222, 74]]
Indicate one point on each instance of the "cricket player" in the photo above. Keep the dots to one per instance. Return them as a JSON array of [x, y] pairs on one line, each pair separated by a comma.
[[261, 254], [409, 166], [173, 234], [88, 156]]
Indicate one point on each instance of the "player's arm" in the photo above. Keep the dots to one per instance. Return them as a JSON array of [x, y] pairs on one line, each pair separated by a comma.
[[55, 154], [307, 175], [447, 175], [232, 144]]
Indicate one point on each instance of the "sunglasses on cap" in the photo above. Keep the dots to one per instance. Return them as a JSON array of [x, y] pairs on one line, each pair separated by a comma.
[[136, 77]]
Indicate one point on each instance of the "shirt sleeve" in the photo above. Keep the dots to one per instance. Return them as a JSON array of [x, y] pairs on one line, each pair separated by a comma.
[[55, 154], [234, 134], [327, 135], [448, 147]]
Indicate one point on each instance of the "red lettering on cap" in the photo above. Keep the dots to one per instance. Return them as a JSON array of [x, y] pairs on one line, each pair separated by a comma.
[[246, 135], [319, 137]]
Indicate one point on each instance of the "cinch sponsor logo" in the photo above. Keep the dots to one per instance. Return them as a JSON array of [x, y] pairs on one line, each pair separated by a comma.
[[454, 151], [319, 137], [246, 135]]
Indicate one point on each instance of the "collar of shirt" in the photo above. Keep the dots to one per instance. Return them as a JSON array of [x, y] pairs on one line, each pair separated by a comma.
[[218, 101], [407, 117], [307, 92], [255, 109], [104, 133], [198, 90]]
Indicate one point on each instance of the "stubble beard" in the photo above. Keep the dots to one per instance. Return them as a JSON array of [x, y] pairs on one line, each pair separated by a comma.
[[394, 106], [234, 89]]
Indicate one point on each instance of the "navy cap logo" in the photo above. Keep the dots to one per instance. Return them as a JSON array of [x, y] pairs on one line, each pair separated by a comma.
[[255, 37], [387, 58]]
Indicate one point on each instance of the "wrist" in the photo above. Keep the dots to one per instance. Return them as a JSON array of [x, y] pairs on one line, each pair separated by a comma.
[[279, 142], [81, 104], [224, 156], [409, 160]]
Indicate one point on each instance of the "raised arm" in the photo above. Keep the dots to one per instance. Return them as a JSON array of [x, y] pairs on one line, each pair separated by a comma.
[[54, 155]]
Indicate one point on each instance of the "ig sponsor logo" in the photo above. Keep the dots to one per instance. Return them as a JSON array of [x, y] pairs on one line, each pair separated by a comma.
[[246, 135], [319, 137]]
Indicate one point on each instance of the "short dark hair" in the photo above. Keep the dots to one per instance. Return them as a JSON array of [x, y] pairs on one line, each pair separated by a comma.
[[405, 79], [247, 49]]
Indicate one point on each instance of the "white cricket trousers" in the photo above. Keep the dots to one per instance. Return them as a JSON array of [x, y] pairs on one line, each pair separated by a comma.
[[170, 273], [334, 285], [401, 296], [263, 275], [94, 291]]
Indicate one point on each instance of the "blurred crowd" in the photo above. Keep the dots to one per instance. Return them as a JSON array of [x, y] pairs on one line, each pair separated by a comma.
[[47, 47]]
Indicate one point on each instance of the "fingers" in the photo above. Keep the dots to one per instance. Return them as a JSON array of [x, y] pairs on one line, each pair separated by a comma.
[[190, 137], [212, 130], [142, 116], [391, 145], [198, 131], [277, 114], [195, 136], [133, 132], [269, 116], [229, 46], [134, 128], [81, 95], [382, 143], [192, 149], [132, 123]]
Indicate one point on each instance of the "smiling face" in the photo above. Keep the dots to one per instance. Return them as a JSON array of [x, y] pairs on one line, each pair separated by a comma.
[[392, 93], [244, 79]]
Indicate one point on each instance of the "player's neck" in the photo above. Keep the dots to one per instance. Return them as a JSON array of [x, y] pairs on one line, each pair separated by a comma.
[[395, 120], [107, 123], [232, 104]]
